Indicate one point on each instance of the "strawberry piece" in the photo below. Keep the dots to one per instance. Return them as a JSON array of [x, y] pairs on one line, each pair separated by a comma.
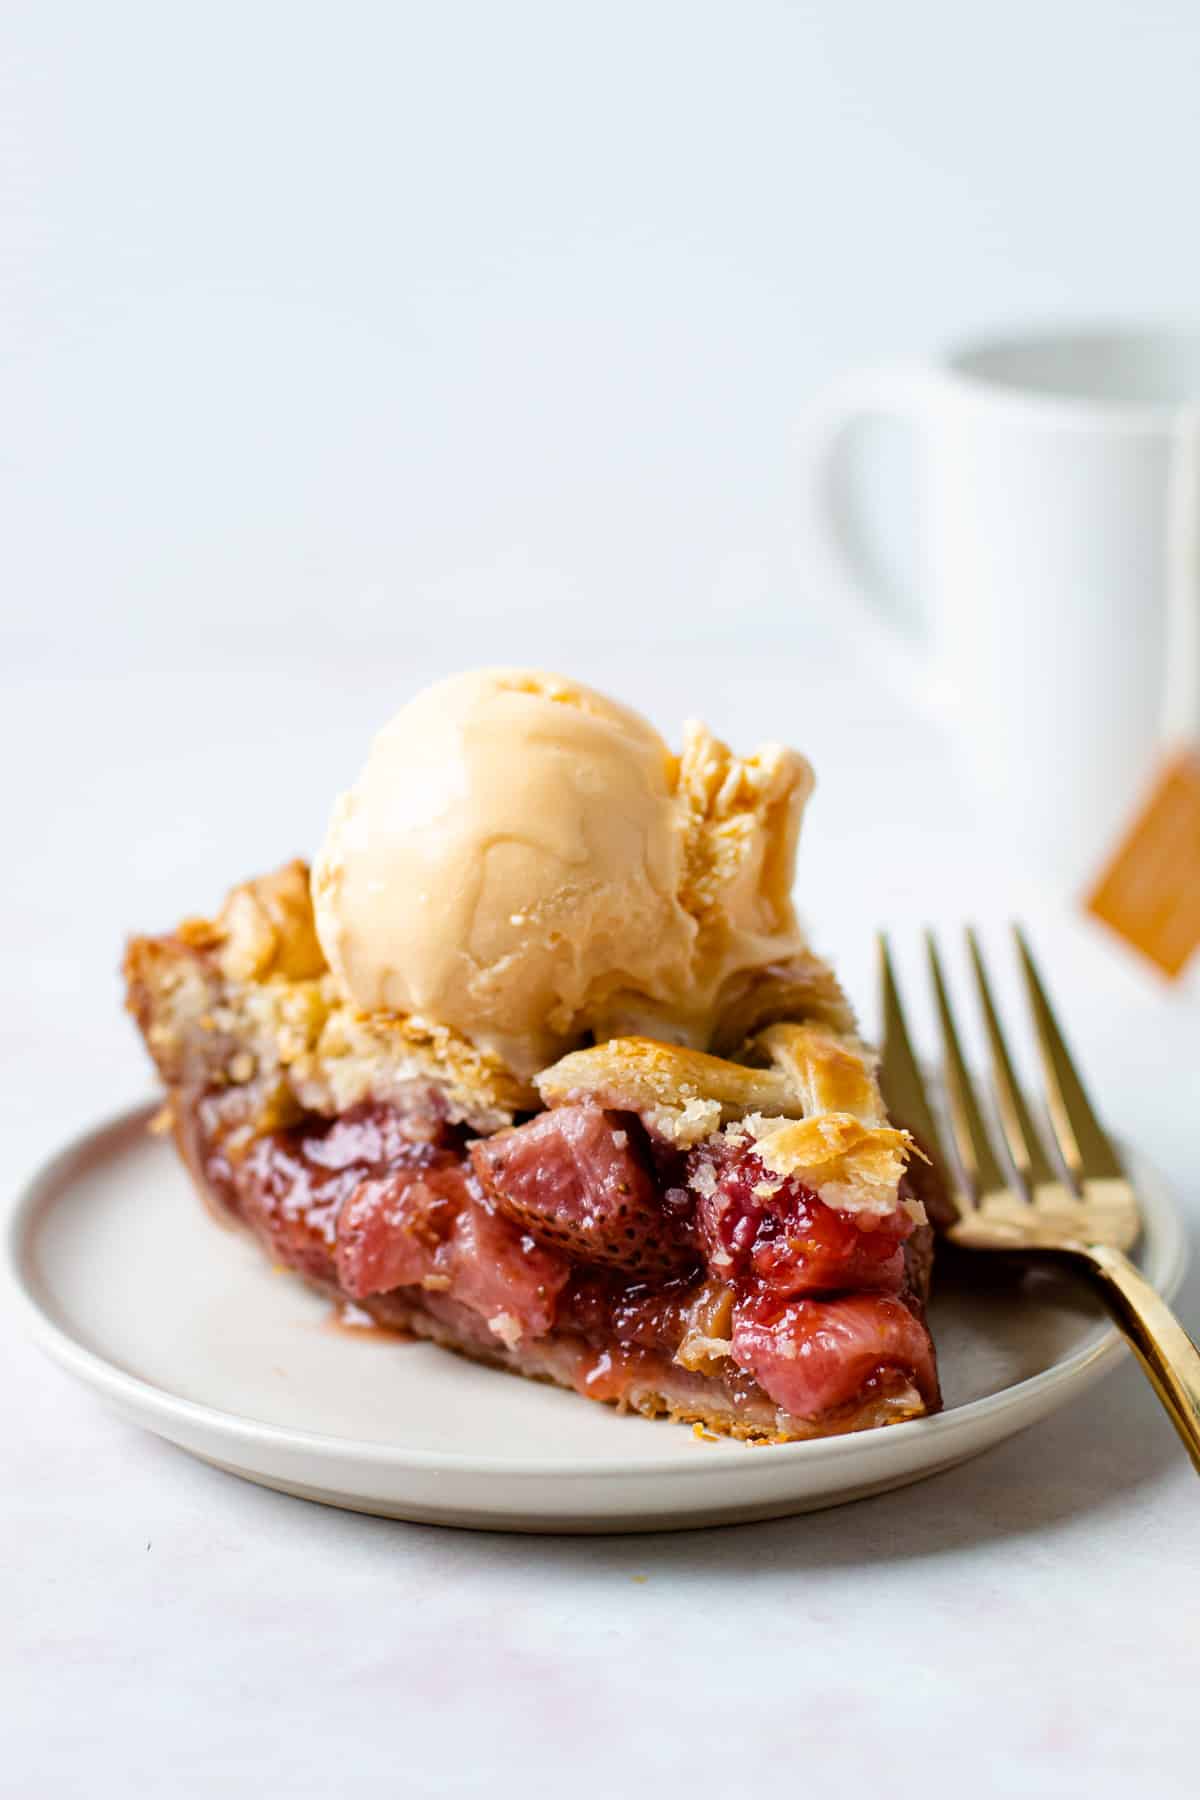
[[423, 1226], [812, 1355], [573, 1178], [781, 1237], [393, 1227], [500, 1272], [292, 1186]]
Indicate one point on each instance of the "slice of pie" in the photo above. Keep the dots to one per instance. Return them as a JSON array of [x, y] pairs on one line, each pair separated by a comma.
[[658, 1172]]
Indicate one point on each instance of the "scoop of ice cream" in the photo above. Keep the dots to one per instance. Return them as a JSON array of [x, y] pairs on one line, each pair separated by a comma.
[[526, 861]]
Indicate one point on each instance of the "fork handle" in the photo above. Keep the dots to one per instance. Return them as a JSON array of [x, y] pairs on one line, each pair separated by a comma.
[[1162, 1346]]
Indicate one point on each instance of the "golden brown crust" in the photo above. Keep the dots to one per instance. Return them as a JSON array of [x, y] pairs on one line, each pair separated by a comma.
[[266, 927], [742, 822], [245, 999], [815, 1109], [851, 1165], [843, 1145], [683, 1094], [824, 1070]]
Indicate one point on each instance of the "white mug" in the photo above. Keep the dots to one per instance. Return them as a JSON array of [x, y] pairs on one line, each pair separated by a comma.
[[1059, 499]]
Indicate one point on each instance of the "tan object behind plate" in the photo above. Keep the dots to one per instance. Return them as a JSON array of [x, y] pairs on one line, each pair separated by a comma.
[[1150, 891]]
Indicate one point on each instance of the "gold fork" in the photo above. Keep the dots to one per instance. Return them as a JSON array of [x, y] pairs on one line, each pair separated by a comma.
[[1085, 1216]]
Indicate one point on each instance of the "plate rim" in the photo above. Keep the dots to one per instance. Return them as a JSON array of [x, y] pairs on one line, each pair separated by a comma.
[[1166, 1236]]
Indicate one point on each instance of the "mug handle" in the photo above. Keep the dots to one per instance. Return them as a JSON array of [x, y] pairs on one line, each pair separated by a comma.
[[902, 391]]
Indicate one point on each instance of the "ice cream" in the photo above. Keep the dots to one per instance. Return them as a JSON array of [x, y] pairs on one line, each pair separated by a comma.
[[526, 861]]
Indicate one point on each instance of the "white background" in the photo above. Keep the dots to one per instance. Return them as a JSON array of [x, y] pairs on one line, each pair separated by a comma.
[[346, 345], [335, 323]]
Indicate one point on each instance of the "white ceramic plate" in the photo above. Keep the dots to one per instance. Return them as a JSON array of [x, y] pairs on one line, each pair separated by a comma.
[[186, 1329]]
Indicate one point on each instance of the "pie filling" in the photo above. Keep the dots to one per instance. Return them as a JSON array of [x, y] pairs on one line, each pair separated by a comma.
[[584, 1248]]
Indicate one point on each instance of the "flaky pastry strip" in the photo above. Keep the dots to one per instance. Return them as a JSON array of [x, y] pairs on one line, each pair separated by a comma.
[[684, 1094], [827, 1072], [815, 1113], [844, 1146], [851, 1165], [810, 1068]]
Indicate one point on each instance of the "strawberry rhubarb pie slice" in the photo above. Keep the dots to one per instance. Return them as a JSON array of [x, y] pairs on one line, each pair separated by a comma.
[[537, 1064]]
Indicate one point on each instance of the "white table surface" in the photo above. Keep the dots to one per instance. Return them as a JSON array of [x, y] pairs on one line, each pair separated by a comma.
[[1023, 1625]]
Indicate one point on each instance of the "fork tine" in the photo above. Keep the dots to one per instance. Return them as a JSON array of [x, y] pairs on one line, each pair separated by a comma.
[[1085, 1147], [900, 1072], [907, 1095], [970, 1132], [1024, 1144]]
